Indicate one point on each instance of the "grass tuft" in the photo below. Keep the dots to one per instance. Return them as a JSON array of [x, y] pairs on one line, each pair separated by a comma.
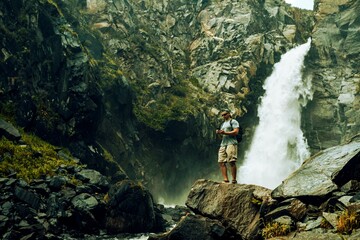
[[275, 229], [348, 221]]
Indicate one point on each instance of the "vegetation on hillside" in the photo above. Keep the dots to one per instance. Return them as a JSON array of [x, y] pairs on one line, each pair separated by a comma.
[[176, 103], [31, 159]]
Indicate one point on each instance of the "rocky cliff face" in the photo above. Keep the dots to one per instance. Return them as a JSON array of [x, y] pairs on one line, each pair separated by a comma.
[[142, 82], [178, 62], [49, 81], [333, 64], [186, 61]]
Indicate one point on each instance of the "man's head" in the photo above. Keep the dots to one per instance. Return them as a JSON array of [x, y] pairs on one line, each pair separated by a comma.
[[225, 113]]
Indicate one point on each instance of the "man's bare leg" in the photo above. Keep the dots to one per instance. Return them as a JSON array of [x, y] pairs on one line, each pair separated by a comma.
[[233, 171], [224, 171]]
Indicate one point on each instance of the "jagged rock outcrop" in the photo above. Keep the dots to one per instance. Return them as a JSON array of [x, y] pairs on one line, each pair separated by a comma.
[[238, 41], [234, 205], [46, 74], [49, 82], [309, 213], [323, 173], [332, 117]]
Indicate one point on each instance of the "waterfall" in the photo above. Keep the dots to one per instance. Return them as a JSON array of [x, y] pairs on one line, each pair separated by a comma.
[[278, 146]]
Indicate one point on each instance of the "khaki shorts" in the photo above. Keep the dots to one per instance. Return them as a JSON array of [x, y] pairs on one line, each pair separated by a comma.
[[227, 153]]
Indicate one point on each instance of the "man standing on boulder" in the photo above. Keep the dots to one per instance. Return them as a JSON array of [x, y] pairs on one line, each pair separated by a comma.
[[229, 145]]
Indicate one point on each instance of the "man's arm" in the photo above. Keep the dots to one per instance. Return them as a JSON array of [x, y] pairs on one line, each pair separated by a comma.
[[234, 132]]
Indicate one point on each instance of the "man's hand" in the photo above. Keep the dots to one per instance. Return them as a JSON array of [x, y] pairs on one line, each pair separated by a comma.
[[220, 131]]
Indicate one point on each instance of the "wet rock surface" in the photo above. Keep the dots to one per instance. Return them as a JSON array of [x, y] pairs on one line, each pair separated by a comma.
[[195, 227], [323, 174]]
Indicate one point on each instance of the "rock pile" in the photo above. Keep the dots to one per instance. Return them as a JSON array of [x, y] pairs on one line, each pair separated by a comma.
[[53, 205], [75, 206], [73, 200]]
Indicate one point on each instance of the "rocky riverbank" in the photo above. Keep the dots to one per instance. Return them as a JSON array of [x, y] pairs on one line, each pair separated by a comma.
[[81, 205], [46, 193]]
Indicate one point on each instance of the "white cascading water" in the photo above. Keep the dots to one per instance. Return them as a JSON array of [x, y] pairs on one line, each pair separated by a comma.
[[278, 146]]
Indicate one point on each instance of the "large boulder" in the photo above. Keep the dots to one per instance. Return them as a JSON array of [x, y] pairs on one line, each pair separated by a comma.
[[235, 205], [322, 174], [130, 209]]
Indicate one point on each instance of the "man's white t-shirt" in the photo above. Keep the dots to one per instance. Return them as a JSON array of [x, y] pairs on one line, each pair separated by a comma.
[[227, 127]]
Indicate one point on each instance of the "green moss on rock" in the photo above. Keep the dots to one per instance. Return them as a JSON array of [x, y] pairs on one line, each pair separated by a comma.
[[176, 103], [31, 159]]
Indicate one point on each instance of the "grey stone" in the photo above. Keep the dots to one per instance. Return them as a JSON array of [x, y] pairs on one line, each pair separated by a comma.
[[291, 207], [3, 220], [9, 131], [345, 200], [29, 197], [355, 198], [284, 220], [209, 198], [312, 224], [57, 182], [6, 208], [318, 175], [84, 201], [130, 208], [351, 186], [93, 177], [332, 218]]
